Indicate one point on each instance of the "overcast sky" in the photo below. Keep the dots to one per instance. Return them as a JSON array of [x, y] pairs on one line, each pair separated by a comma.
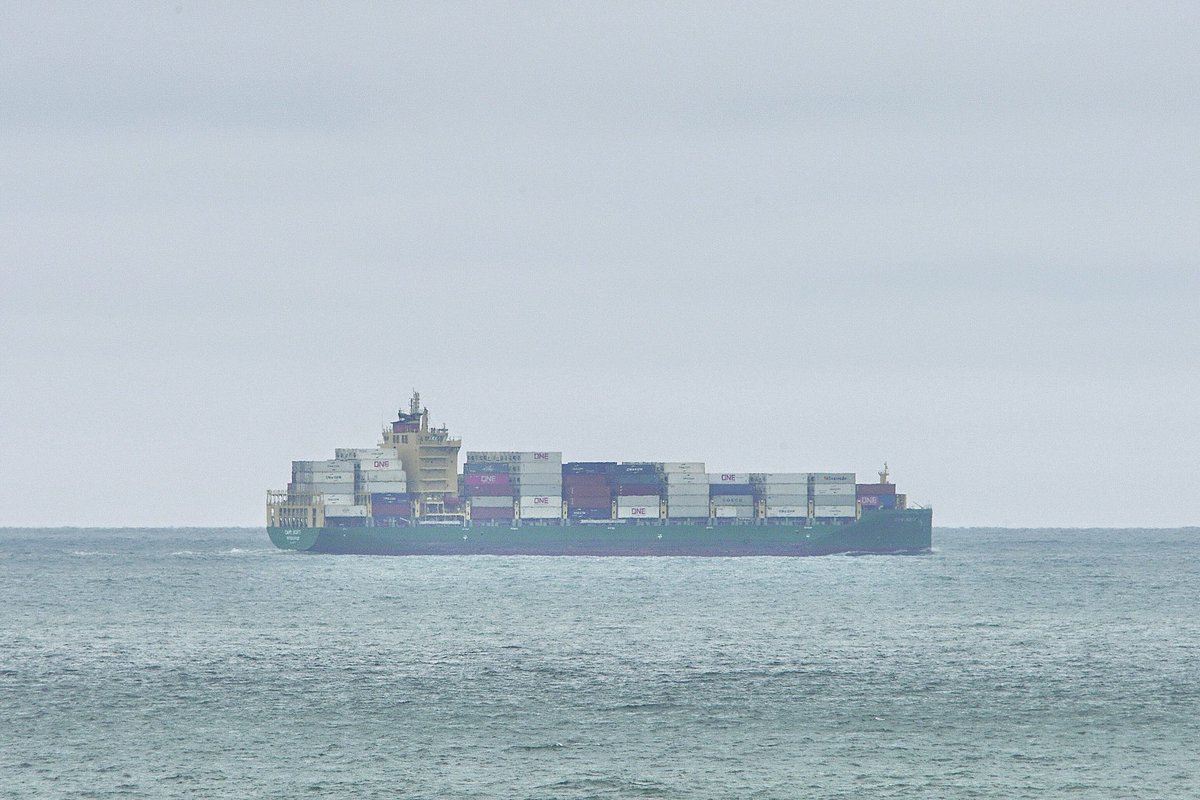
[[962, 238]]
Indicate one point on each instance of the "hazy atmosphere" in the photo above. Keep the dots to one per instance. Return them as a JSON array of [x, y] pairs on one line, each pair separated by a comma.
[[961, 239]]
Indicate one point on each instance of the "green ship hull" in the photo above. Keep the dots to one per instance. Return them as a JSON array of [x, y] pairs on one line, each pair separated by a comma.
[[882, 532]]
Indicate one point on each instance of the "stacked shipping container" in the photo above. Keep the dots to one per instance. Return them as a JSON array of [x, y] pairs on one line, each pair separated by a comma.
[[874, 496], [687, 490], [587, 490], [784, 494], [638, 487], [732, 495], [369, 483], [488, 488], [502, 485], [331, 483], [833, 496]]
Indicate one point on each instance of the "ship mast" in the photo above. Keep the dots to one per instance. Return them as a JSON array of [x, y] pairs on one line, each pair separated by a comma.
[[883, 476]]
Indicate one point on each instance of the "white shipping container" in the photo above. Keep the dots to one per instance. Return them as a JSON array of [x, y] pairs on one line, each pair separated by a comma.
[[516, 457], [541, 500], [334, 499], [833, 477], [792, 478], [834, 511], [734, 512], [541, 507], [322, 488], [539, 489], [833, 489], [684, 467], [681, 478], [491, 502], [637, 512], [329, 477], [345, 511], [553, 476], [730, 478], [367, 453], [537, 468], [398, 487], [379, 463], [541, 512], [687, 511], [638, 500], [688, 490], [787, 511], [330, 465], [782, 488], [786, 499], [738, 500], [378, 475]]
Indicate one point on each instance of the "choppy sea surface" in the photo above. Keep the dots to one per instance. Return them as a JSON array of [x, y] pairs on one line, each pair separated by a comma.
[[205, 664]]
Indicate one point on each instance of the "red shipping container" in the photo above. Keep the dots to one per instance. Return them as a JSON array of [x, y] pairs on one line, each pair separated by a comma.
[[588, 493]]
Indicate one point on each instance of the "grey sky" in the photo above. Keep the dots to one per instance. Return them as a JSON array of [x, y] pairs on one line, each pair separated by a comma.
[[963, 239]]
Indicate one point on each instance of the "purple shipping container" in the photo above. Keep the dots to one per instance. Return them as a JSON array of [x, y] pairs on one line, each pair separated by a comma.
[[585, 480], [878, 489], [587, 491], [638, 489]]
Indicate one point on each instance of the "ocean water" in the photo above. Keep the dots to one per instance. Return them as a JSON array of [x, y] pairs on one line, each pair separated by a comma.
[[205, 664]]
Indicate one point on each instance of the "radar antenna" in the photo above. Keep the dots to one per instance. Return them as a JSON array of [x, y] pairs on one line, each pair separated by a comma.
[[414, 405]]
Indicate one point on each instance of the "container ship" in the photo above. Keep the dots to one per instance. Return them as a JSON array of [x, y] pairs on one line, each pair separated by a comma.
[[406, 496]]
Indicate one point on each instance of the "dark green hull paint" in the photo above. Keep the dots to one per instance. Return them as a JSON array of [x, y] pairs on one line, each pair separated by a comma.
[[909, 531]]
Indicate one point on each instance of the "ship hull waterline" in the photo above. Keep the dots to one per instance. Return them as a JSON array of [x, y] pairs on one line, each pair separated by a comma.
[[882, 532]]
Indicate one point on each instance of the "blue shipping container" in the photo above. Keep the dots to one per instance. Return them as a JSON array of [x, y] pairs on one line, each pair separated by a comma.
[[589, 513], [637, 479], [390, 498], [635, 469], [718, 489], [485, 468]]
